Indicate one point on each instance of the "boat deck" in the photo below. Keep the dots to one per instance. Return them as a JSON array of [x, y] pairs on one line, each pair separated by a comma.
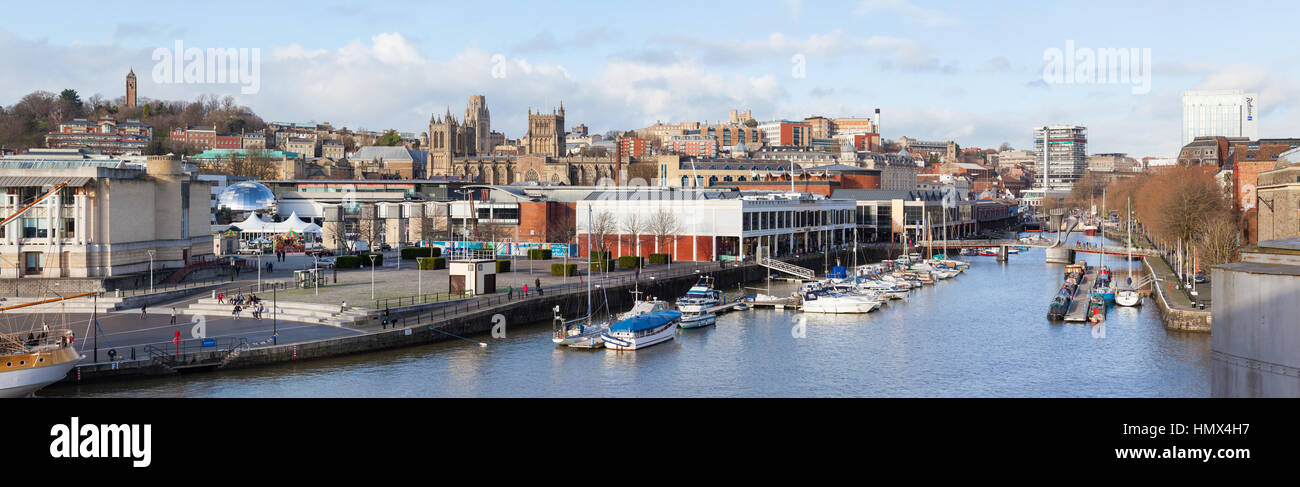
[[1078, 312]]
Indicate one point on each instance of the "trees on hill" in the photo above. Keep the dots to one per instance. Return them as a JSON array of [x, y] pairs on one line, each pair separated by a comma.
[[24, 124]]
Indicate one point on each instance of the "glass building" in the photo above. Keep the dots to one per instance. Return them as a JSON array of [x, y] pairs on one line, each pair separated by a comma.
[[1229, 113]]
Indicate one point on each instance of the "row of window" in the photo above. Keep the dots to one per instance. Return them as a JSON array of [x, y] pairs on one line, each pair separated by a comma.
[[770, 220]]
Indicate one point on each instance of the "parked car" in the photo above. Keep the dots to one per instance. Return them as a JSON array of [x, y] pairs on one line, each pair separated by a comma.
[[324, 262], [321, 252], [385, 247], [1202, 279]]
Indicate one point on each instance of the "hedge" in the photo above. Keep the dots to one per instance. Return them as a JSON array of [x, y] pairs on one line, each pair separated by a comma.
[[433, 263], [347, 262], [564, 269], [597, 256], [596, 265], [539, 254], [661, 258], [365, 259], [503, 266], [410, 253], [629, 261]]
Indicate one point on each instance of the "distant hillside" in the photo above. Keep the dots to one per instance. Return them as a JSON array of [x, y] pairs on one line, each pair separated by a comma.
[[23, 125]]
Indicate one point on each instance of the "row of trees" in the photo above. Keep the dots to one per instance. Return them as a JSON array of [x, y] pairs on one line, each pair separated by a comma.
[[662, 225], [1179, 205]]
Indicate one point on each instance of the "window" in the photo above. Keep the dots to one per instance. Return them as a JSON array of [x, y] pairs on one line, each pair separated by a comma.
[[35, 262]]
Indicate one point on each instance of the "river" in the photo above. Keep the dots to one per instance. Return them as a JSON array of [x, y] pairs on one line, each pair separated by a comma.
[[981, 334]]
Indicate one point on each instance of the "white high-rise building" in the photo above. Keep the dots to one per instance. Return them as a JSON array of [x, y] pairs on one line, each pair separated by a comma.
[[1066, 156], [1230, 113]]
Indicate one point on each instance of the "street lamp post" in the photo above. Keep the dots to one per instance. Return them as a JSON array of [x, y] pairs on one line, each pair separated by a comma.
[[372, 276], [315, 271], [151, 255]]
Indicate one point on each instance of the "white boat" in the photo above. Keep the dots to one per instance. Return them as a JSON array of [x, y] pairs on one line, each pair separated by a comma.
[[1127, 297], [643, 307], [700, 297], [642, 331], [32, 360], [698, 320], [580, 333], [817, 299]]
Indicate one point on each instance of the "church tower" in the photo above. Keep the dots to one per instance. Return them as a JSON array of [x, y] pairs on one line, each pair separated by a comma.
[[480, 123], [442, 145], [130, 89]]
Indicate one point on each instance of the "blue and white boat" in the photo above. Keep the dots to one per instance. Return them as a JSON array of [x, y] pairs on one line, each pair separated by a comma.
[[642, 331], [701, 297], [698, 319]]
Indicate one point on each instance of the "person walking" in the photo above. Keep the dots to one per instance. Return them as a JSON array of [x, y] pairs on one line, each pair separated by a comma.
[[343, 307], [221, 298], [173, 316], [235, 312], [525, 289], [510, 292], [385, 322], [144, 310]]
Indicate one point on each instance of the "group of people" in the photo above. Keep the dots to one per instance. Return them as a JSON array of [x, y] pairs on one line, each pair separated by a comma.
[[537, 285], [241, 303]]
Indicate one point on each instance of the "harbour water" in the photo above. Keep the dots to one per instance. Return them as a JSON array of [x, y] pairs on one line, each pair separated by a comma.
[[981, 334]]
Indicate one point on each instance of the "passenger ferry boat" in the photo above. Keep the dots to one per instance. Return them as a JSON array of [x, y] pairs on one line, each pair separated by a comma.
[[642, 331]]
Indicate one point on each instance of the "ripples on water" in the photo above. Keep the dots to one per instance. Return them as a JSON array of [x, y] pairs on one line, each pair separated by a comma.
[[982, 334]]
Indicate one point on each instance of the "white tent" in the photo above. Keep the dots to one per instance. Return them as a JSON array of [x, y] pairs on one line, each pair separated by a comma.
[[255, 225]]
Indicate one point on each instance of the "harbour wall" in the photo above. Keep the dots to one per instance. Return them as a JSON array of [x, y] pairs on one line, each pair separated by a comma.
[[478, 322], [1175, 317]]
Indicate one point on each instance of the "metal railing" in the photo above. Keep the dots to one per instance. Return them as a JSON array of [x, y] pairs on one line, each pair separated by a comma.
[[164, 352]]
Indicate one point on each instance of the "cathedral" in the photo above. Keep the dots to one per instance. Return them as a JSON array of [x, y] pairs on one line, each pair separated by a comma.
[[464, 149]]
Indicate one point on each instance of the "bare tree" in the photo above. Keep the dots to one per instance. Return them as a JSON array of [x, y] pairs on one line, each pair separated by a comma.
[[601, 226], [633, 224], [664, 226], [1218, 242]]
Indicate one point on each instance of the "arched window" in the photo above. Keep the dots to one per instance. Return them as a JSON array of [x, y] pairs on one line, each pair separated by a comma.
[[742, 179], [684, 182], [713, 180], [727, 179]]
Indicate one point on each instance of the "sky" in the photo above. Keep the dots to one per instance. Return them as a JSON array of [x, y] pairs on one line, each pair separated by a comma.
[[973, 72]]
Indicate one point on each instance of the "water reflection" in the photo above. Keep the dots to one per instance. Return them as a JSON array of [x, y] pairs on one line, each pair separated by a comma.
[[983, 333]]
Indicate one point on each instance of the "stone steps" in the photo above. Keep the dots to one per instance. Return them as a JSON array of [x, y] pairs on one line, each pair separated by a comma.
[[288, 310]]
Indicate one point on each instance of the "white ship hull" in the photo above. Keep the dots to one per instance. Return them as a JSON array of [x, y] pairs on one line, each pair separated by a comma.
[[620, 341], [1128, 298], [839, 305], [23, 382], [700, 320]]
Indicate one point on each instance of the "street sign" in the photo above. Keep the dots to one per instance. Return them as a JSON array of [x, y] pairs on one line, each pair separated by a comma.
[[209, 342]]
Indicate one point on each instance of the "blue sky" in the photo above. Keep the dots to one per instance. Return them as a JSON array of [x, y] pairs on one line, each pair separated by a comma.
[[969, 71]]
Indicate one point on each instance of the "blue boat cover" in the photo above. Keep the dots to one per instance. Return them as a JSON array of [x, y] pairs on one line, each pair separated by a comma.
[[646, 321]]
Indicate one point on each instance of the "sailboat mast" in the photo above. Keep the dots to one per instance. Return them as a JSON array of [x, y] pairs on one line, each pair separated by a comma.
[[1128, 235], [602, 263]]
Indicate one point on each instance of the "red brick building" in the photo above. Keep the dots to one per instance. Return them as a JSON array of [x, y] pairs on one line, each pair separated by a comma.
[[205, 138], [633, 146], [1247, 160]]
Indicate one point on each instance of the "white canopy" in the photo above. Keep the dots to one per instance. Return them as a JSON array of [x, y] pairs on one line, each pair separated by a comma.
[[253, 224]]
